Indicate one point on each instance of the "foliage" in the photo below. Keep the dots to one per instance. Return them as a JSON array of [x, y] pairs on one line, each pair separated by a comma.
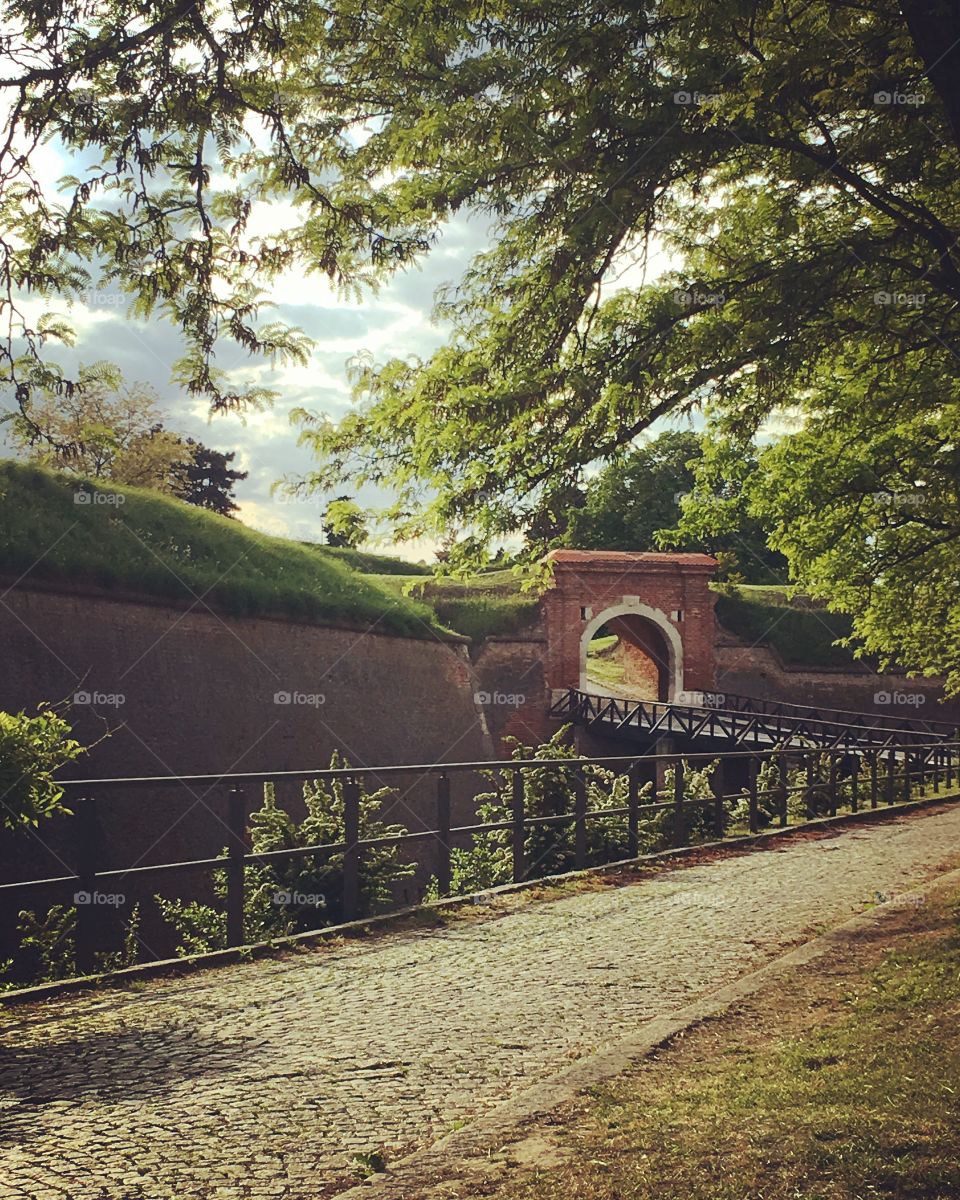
[[637, 501], [878, 534], [104, 428], [108, 429], [483, 616], [305, 892], [206, 478], [125, 538], [795, 172], [47, 948], [32, 750], [344, 523], [547, 792]]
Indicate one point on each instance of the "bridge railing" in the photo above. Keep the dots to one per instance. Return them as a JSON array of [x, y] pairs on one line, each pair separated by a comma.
[[843, 716], [739, 726], [608, 809]]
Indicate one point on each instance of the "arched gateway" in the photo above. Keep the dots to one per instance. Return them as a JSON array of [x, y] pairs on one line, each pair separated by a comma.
[[657, 609]]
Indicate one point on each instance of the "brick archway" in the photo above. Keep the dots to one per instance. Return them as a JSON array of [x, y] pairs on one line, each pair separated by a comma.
[[666, 594]]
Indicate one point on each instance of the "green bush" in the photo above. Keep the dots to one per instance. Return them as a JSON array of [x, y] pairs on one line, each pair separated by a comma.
[[300, 893], [547, 792], [31, 750]]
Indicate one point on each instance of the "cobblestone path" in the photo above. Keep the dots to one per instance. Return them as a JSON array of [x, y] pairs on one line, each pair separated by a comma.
[[265, 1079]]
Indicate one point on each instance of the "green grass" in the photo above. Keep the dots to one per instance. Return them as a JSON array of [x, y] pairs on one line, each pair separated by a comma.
[[152, 544], [864, 1105], [803, 636], [484, 605], [368, 563]]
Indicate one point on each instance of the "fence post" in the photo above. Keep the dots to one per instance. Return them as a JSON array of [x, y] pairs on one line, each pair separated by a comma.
[[890, 781], [808, 790], [351, 850], [633, 816], [236, 850], [752, 784], [516, 812], [906, 776], [88, 854], [443, 833], [784, 788], [855, 784], [936, 770], [832, 809], [579, 819], [679, 822], [717, 787], [949, 756], [873, 779]]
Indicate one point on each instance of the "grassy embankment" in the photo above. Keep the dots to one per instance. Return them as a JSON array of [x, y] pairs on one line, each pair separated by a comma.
[[154, 545], [839, 1082], [158, 546]]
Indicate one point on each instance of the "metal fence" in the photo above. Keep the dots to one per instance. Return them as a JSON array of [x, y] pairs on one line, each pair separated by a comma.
[[757, 784]]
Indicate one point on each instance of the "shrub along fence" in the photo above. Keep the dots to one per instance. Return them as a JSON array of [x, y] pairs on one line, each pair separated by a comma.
[[539, 816]]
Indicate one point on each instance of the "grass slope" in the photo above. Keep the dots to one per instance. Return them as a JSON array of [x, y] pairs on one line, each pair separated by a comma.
[[802, 634], [140, 541]]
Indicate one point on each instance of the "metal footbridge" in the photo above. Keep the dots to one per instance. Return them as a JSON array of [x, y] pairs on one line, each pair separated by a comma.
[[725, 720]]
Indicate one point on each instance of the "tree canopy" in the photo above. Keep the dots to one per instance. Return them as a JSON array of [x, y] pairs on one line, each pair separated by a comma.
[[792, 164]]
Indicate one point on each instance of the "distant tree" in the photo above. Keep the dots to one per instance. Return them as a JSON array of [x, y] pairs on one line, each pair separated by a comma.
[[345, 523], [637, 502], [104, 428], [205, 478]]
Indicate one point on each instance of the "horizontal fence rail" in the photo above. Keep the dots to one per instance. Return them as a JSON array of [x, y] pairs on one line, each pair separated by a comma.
[[749, 725], [610, 809]]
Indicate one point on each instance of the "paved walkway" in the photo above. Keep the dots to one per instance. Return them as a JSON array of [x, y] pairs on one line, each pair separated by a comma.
[[263, 1080]]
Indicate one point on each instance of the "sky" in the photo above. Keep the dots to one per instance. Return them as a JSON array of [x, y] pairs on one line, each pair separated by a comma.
[[394, 321]]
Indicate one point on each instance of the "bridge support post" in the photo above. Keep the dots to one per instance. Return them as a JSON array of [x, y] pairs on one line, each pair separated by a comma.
[[237, 825], [890, 781], [717, 787], [907, 782], [833, 783], [783, 788], [752, 785], [855, 783], [873, 779]]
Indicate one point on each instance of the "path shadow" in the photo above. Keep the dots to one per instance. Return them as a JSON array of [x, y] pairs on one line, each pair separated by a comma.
[[124, 1065]]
